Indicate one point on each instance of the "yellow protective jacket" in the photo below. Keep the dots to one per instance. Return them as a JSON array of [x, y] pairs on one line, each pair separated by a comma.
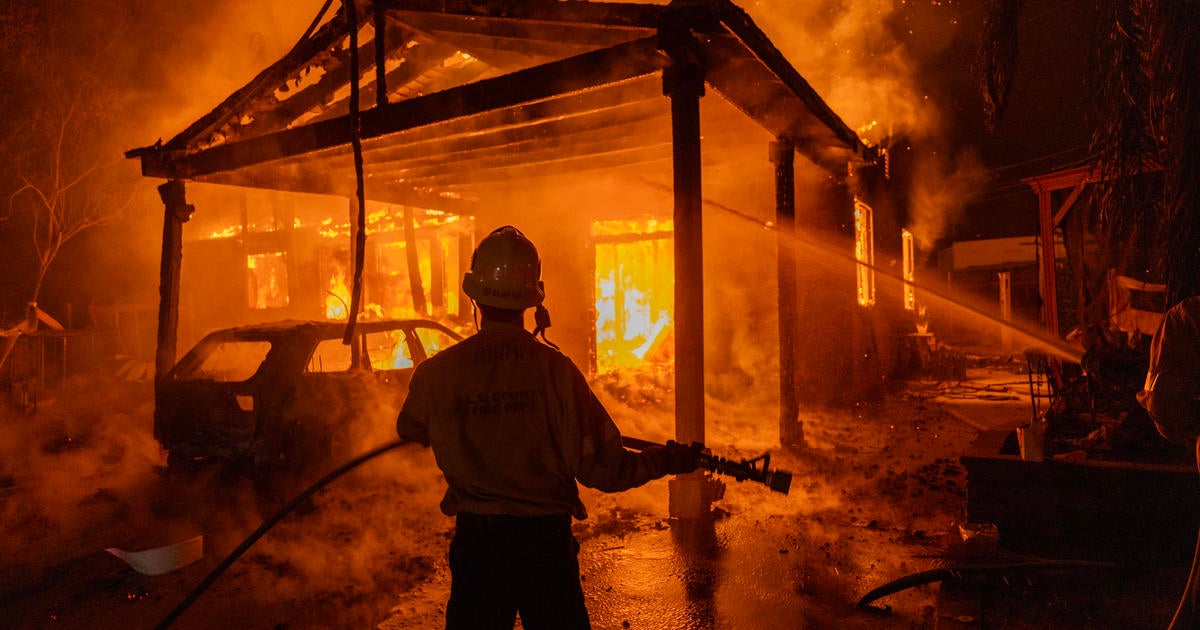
[[513, 425], [1173, 379]]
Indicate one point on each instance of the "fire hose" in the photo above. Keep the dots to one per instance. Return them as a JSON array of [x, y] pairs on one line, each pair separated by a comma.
[[267, 525], [741, 470], [776, 480], [960, 573]]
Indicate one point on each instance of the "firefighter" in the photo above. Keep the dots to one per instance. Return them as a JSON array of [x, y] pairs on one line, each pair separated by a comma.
[[513, 426], [1171, 397]]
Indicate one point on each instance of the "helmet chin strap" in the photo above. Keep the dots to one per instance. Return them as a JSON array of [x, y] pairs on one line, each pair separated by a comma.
[[541, 320]]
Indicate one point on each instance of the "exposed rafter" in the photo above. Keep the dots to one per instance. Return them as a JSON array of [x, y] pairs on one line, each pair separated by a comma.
[[504, 85]]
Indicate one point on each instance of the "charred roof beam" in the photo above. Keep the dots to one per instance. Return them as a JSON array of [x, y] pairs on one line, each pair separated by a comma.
[[517, 141], [591, 35], [628, 101], [401, 78], [337, 74], [593, 150], [505, 52], [780, 72], [287, 68], [548, 166], [550, 12], [297, 179], [603, 67]]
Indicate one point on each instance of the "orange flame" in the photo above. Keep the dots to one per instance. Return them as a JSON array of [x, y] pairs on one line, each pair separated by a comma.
[[337, 299], [635, 286]]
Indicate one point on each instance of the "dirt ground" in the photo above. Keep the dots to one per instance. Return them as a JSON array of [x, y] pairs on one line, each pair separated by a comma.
[[878, 494]]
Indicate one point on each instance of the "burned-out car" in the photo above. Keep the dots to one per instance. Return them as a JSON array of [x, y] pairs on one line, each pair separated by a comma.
[[290, 394]]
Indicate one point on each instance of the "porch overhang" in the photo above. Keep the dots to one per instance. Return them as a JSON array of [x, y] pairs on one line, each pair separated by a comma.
[[541, 89]]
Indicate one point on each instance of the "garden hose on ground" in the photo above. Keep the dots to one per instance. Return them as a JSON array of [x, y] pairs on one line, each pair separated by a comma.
[[267, 525], [969, 571]]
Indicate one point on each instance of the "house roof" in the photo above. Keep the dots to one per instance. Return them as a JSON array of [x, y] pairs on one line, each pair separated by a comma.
[[482, 95]]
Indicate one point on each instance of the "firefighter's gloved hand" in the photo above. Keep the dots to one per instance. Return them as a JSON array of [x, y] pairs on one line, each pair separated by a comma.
[[680, 459]]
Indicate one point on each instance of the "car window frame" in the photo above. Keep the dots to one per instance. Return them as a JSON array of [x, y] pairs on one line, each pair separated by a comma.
[[365, 356], [195, 357]]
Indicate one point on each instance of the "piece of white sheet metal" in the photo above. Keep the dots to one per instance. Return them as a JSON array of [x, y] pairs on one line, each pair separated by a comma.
[[162, 559]]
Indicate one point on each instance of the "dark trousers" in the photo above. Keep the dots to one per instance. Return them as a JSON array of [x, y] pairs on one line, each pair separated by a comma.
[[1187, 615], [502, 565]]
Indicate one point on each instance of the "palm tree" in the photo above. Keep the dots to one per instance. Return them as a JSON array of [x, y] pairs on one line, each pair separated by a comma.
[[1147, 133]]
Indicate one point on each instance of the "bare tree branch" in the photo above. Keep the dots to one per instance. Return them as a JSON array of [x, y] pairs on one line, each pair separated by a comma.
[[62, 176]]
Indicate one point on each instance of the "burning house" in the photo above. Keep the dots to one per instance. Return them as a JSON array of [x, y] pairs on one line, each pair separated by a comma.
[[649, 150]]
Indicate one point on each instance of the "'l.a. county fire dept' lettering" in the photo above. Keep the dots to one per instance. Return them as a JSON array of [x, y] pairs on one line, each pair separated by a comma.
[[491, 354], [505, 401]]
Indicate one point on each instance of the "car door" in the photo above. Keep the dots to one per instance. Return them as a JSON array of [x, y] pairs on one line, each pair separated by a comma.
[[209, 404]]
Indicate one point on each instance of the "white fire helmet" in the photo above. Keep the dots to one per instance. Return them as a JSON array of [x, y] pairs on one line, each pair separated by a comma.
[[505, 271]]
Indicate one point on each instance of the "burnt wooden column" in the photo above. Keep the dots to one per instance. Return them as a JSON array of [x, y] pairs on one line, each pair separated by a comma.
[[176, 212], [683, 82], [783, 154], [415, 286]]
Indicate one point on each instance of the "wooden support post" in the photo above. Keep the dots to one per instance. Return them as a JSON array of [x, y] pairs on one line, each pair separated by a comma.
[[1006, 333], [437, 275], [380, 27], [176, 212], [1049, 285], [683, 81], [783, 156], [416, 287]]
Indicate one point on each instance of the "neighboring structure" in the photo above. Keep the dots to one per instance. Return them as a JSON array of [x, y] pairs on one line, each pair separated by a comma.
[[1096, 288], [551, 115], [977, 268]]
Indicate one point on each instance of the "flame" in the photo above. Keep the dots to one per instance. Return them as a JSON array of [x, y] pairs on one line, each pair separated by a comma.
[[382, 219], [337, 300], [267, 277], [635, 284], [910, 265], [228, 232], [388, 350], [864, 251], [440, 237]]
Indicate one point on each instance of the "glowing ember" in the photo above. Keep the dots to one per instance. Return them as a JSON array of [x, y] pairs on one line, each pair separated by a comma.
[[635, 285]]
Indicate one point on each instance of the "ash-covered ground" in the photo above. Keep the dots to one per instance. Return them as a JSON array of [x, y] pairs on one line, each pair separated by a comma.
[[878, 494]]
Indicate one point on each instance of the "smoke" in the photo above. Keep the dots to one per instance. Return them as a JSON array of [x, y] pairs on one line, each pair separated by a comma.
[[941, 188], [196, 55], [378, 530], [864, 58], [84, 473], [848, 51], [74, 465], [154, 68]]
